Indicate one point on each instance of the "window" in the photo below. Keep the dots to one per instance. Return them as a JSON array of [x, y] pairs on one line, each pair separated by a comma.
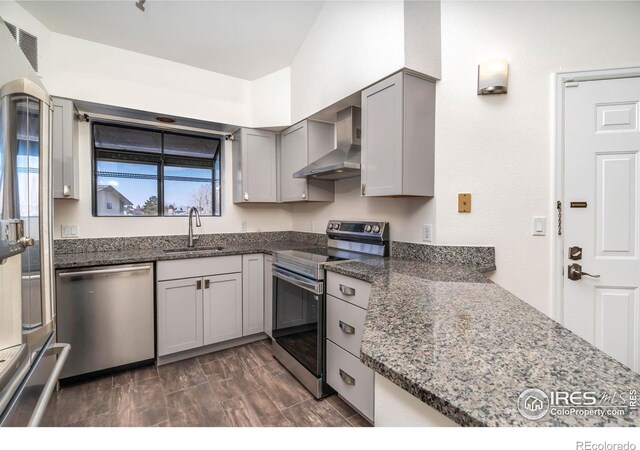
[[149, 172]]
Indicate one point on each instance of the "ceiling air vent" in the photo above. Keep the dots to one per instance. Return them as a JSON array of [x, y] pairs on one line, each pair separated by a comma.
[[27, 42]]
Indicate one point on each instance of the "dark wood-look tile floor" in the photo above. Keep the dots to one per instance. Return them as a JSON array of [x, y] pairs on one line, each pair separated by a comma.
[[239, 387]]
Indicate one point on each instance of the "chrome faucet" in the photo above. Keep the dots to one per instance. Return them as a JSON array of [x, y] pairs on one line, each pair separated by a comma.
[[193, 238]]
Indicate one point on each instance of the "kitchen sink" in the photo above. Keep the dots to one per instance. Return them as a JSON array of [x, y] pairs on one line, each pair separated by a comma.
[[194, 249]]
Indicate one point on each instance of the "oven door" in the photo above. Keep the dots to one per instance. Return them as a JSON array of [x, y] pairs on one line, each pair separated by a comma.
[[298, 317]]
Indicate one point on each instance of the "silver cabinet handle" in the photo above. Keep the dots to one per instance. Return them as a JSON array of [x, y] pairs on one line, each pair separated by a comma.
[[103, 271], [346, 328], [346, 290], [206, 284], [66, 190], [304, 195], [198, 285], [62, 350], [246, 197], [348, 379], [363, 188]]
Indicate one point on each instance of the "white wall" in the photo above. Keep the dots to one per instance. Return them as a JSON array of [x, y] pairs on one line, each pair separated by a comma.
[[500, 148], [99, 73], [271, 99], [258, 217], [422, 37], [17, 15], [350, 46]]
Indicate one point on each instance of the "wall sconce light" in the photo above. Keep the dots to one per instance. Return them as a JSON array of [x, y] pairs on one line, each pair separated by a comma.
[[493, 77]]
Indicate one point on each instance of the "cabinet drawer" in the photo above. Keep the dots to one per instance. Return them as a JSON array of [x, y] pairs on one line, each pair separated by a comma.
[[344, 324], [350, 378], [349, 289], [198, 267]]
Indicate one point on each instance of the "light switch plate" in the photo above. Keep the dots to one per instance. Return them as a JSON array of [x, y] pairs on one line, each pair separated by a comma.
[[69, 231], [427, 232], [464, 202], [243, 226], [539, 226]]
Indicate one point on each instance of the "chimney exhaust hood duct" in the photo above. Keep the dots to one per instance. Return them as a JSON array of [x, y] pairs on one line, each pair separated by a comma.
[[344, 161]]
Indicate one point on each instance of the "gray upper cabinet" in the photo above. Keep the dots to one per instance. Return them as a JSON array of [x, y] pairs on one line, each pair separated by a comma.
[[255, 178], [302, 144], [398, 130], [65, 149]]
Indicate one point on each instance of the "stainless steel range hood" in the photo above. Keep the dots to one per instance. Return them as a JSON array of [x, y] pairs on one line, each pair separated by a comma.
[[344, 161]]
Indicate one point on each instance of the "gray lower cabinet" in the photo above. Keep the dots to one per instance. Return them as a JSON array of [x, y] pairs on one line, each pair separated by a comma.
[[252, 294], [180, 315], [398, 137], [255, 174], [346, 315], [268, 295], [64, 149], [300, 145], [199, 302], [222, 306]]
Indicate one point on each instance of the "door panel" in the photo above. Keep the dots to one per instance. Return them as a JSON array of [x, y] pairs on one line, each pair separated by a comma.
[[222, 308], [260, 165], [616, 213], [294, 156], [616, 318], [602, 141], [179, 316], [252, 293], [382, 137]]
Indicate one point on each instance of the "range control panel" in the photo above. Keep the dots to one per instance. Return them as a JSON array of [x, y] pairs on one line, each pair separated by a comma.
[[363, 230]]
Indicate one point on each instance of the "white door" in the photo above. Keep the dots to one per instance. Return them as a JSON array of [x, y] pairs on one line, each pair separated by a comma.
[[600, 209]]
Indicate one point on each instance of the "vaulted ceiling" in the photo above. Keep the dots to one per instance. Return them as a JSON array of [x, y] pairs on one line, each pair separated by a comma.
[[244, 39]]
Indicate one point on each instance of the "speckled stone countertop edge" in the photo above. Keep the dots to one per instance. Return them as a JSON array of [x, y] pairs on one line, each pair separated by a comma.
[[442, 406]]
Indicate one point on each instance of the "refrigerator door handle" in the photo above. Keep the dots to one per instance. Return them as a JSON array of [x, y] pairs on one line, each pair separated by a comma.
[[62, 350]]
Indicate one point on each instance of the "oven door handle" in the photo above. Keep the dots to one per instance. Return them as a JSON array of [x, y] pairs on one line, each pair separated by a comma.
[[297, 280]]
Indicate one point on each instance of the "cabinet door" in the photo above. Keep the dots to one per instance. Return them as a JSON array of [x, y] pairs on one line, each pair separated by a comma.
[[382, 137], [64, 149], [179, 304], [259, 173], [294, 156], [222, 305], [268, 295], [252, 294]]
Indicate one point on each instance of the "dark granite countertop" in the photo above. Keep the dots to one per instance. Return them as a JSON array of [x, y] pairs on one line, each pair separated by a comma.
[[468, 348], [137, 255]]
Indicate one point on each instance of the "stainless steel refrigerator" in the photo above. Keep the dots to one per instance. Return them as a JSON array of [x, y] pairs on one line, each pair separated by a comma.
[[30, 358]]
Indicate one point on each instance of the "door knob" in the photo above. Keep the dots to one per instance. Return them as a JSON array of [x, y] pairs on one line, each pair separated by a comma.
[[575, 272], [575, 253]]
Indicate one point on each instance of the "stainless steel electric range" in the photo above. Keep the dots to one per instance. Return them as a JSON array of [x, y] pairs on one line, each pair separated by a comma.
[[299, 296]]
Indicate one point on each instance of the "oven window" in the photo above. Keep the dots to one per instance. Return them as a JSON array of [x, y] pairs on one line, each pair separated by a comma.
[[297, 316]]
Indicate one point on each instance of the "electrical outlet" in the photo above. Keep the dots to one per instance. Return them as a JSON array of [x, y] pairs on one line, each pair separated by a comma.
[[311, 225], [243, 226], [427, 232]]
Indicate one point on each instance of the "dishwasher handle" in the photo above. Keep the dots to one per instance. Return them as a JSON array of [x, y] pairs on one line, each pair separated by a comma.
[[104, 271]]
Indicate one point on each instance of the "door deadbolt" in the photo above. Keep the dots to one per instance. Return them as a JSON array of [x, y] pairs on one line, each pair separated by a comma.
[[575, 272], [575, 253]]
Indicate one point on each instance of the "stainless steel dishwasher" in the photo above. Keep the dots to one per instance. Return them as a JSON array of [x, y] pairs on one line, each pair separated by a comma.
[[106, 314]]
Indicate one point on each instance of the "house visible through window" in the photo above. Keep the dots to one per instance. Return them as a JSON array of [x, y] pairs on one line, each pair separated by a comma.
[[149, 172]]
